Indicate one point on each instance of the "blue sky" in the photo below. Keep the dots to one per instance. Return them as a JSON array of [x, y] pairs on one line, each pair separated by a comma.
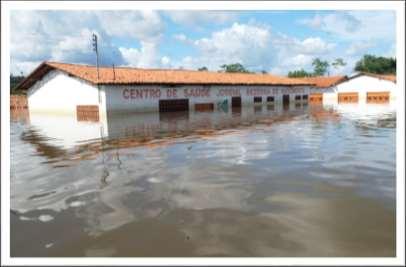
[[274, 41]]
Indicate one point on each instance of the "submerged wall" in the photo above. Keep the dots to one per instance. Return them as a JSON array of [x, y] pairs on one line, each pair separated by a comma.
[[144, 98], [60, 93]]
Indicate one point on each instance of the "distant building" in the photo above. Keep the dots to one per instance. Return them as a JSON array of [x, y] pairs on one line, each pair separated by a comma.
[[359, 88], [79, 89]]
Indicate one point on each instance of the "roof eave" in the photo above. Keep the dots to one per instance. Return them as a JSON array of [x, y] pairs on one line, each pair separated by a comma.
[[185, 83], [20, 85]]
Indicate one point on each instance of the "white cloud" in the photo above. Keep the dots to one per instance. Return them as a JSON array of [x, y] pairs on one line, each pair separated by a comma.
[[37, 36], [144, 24], [134, 38], [196, 18], [315, 46], [293, 53], [357, 48], [165, 61], [256, 47], [146, 57], [180, 37], [360, 31], [299, 61], [242, 43], [355, 25]]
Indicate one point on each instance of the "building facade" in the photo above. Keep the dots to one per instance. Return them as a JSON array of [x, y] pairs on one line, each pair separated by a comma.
[[77, 89], [362, 88]]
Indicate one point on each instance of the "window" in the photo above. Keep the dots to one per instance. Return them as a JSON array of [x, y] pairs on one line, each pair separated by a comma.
[[304, 97], [257, 99], [204, 107], [270, 99], [298, 97], [377, 97]]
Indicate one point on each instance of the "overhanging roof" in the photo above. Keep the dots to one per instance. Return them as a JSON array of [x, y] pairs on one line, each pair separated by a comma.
[[125, 75]]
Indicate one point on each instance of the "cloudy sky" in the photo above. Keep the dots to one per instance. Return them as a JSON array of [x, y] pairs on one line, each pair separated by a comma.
[[274, 41]]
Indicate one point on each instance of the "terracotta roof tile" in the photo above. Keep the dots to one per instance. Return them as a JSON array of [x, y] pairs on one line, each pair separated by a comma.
[[388, 77], [324, 82], [161, 76]]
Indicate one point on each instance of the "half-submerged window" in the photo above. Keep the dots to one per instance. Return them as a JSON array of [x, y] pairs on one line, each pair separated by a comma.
[[270, 99], [257, 99]]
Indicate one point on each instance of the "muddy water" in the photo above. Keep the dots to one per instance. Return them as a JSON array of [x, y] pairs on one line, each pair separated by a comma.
[[261, 181]]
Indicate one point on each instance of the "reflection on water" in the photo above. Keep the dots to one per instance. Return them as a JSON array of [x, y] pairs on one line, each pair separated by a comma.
[[257, 181]]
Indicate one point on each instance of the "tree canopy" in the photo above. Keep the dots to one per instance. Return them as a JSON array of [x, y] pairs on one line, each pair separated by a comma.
[[338, 62], [320, 67], [204, 68], [378, 65], [14, 81], [299, 74], [236, 67]]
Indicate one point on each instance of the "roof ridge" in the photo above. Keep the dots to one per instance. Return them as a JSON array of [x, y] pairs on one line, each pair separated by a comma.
[[130, 75], [162, 70]]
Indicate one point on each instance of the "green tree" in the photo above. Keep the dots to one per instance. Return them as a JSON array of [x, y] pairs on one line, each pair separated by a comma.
[[14, 81], [320, 67], [378, 65], [202, 69], [299, 74], [338, 62], [236, 67]]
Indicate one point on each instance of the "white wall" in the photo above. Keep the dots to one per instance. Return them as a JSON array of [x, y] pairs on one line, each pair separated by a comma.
[[146, 97], [64, 131], [362, 85], [59, 93]]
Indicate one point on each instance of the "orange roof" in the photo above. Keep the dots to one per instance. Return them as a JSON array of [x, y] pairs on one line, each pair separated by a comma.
[[325, 81], [125, 75], [388, 77]]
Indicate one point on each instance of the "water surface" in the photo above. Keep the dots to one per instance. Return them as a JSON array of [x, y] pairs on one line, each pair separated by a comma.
[[260, 181]]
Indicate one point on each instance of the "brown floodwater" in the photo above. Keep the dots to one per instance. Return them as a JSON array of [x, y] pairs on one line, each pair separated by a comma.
[[259, 181]]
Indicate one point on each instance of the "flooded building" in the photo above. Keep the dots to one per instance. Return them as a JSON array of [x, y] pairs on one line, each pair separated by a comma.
[[86, 91], [363, 88]]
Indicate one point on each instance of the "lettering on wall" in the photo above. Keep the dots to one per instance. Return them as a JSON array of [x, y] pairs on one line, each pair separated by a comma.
[[141, 93], [258, 91], [293, 91], [197, 92], [157, 93], [172, 93], [229, 92]]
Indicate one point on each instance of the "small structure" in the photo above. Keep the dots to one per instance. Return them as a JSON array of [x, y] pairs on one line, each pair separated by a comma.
[[358, 88], [77, 89]]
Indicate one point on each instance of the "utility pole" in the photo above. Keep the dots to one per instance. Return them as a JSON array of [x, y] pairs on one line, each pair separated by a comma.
[[94, 39], [114, 74], [94, 43]]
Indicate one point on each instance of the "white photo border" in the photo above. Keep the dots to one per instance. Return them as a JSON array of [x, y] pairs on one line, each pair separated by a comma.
[[397, 6]]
